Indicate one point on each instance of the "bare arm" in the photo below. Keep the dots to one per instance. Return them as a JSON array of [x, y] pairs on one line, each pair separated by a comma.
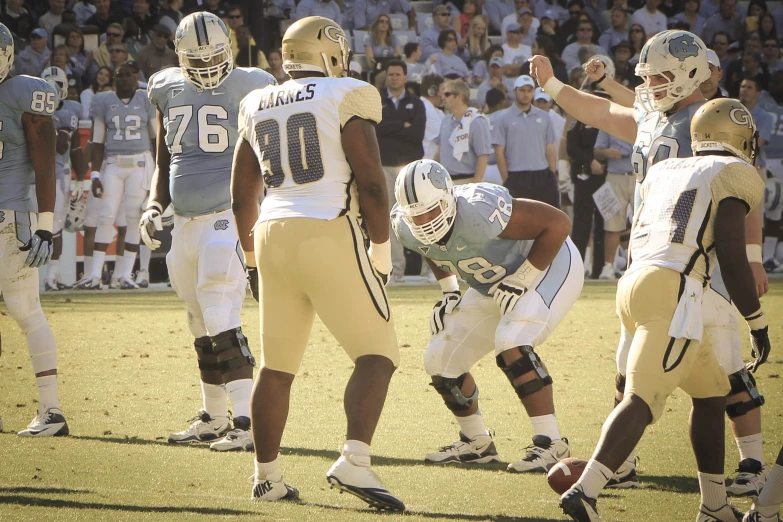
[[63, 140], [246, 185], [729, 247], [437, 271], [159, 191], [500, 157], [753, 237], [41, 144], [78, 163], [547, 226], [595, 69], [481, 167], [551, 157]]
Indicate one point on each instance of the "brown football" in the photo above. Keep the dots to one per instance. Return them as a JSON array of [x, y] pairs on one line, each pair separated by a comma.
[[565, 473]]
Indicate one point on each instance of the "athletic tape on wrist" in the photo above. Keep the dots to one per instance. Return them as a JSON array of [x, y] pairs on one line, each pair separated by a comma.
[[756, 320], [449, 284], [754, 253], [553, 87], [45, 221]]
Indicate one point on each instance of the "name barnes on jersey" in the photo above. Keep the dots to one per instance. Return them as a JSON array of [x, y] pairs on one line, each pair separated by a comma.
[[285, 96]]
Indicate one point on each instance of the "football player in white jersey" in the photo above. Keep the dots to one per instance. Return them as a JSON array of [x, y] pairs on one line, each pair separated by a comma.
[[27, 156], [673, 65], [310, 143], [691, 215], [197, 107]]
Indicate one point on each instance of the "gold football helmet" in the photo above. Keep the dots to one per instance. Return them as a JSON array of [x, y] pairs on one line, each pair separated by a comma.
[[316, 44], [727, 125]]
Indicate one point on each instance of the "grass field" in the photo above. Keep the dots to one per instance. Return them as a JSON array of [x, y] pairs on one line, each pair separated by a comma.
[[128, 377]]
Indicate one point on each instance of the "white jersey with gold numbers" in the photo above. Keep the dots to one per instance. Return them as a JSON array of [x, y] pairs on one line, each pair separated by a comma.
[[295, 130], [674, 228]]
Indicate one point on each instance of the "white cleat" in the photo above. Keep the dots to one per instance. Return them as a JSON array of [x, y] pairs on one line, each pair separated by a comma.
[[751, 477], [238, 439], [541, 455], [762, 514], [89, 283], [127, 284], [727, 513], [269, 490], [143, 278], [50, 423], [480, 450], [607, 274], [114, 283], [625, 477], [350, 475], [204, 429]]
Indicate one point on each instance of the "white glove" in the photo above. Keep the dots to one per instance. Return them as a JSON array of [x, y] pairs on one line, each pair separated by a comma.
[[380, 257], [446, 305], [40, 244], [510, 290], [151, 221]]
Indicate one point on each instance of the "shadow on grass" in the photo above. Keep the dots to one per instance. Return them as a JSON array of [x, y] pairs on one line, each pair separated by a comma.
[[25, 500], [45, 490], [434, 515], [671, 483]]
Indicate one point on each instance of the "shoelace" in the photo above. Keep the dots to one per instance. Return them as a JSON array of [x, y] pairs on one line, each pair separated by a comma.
[[42, 418], [453, 446], [534, 453]]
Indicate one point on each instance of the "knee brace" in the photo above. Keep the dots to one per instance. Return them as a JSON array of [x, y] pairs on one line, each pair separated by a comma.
[[207, 362], [454, 387], [530, 361], [743, 381], [231, 349]]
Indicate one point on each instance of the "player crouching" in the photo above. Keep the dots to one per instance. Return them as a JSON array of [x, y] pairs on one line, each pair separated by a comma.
[[524, 275]]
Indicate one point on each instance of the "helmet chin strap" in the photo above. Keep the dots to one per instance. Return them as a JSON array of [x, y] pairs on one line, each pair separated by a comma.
[[327, 69]]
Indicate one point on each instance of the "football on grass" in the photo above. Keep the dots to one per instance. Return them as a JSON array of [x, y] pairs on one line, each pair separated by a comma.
[[565, 473]]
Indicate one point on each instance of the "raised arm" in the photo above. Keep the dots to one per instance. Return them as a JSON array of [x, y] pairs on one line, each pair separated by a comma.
[[595, 70]]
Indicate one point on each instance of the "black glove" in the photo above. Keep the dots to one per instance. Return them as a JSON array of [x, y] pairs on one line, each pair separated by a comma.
[[759, 348], [40, 248], [252, 279]]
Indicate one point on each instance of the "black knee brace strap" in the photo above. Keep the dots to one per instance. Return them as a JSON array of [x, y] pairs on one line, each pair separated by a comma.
[[619, 382], [232, 350], [203, 346], [743, 381], [529, 362], [454, 387]]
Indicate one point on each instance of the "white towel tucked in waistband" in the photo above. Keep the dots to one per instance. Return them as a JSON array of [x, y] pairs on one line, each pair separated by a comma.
[[460, 137], [687, 322]]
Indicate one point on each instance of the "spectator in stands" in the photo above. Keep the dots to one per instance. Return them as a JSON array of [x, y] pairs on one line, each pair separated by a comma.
[[114, 35], [619, 30], [577, 78], [447, 63], [514, 18], [569, 27], [33, 58], [275, 11], [605, 21], [748, 66], [82, 63], [637, 37], [470, 10], [720, 44], [326, 8], [726, 20], [380, 44], [464, 141], [543, 46], [515, 54], [495, 104], [497, 10], [18, 19], [432, 89], [594, 8], [756, 9], [650, 18], [429, 38], [61, 57], [767, 27], [749, 93], [691, 16], [234, 20], [710, 88], [104, 81], [157, 55], [248, 55], [276, 66], [365, 11], [770, 55], [210, 6], [135, 38], [83, 10], [480, 72], [171, 14], [552, 9], [524, 141], [525, 21], [550, 29], [476, 42], [544, 102], [669, 8], [495, 80], [118, 55], [105, 15], [142, 16], [624, 73], [52, 17], [400, 135], [584, 37], [753, 43], [412, 52]]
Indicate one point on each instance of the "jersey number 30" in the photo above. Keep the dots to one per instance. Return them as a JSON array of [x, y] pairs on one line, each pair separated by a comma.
[[304, 150]]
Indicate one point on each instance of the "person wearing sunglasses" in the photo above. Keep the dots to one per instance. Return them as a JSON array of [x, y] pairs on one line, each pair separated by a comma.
[[115, 35], [441, 17], [448, 63]]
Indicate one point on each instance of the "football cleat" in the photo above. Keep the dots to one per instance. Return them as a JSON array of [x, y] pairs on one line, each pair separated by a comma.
[[50, 423], [480, 450], [238, 439], [55, 286], [88, 283], [625, 477], [541, 455], [272, 490], [349, 475], [204, 428], [607, 273], [143, 278], [755, 514], [770, 265], [126, 284], [750, 479], [727, 513], [114, 283], [579, 506]]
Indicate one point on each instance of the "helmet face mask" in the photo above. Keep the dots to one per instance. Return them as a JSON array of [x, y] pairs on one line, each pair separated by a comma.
[[57, 78], [316, 44], [6, 52], [204, 50], [725, 125], [423, 187]]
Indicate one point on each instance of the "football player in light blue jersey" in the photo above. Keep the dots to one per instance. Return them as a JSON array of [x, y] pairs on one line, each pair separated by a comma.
[[69, 154], [27, 156], [524, 275], [656, 118], [774, 203], [197, 108]]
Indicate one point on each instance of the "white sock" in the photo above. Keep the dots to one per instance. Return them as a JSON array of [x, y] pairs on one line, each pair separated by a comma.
[[53, 271], [546, 425], [472, 426], [87, 266], [594, 478], [632, 457], [268, 471], [358, 451], [750, 447], [772, 494], [768, 248], [129, 259], [214, 399], [779, 250], [239, 394], [144, 258], [119, 266], [47, 392], [713, 490], [98, 258]]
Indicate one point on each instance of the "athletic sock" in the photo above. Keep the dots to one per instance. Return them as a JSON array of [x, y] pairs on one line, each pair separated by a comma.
[[214, 399], [53, 271], [98, 258], [129, 259], [768, 247], [772, 494], [546, 425], [594, 478], [713, 490], [144, 258], [47, 392], [358, 452], [119, 266], [750, 447], [239, 394], [268, 471], [87, 267], [472, 426]]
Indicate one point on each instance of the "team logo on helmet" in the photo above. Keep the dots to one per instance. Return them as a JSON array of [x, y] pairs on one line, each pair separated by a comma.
[[684, 47], [740, 116], [437, 176], [334, 33]]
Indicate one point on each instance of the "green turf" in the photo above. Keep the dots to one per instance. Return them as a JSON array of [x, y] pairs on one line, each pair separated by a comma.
[[128, 377]]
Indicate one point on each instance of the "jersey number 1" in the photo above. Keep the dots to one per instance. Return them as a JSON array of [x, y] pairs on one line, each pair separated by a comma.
[[304, 150]]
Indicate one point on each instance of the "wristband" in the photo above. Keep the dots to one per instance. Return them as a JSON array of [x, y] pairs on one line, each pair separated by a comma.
[[599, 80], [155, 205], [526, 274], [553, 87], [45, 221], [86, 185], [250, 259], [449, 284], [754, 253], [95, 175], [756, 320]]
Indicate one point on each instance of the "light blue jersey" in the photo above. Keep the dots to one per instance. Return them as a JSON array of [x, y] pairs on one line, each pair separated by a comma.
[[66, 118], [127, 124], [19, 95], [774, 148], [201, 132], [472, 250]]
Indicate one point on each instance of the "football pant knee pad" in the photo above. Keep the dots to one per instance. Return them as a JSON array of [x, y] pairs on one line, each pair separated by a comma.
[[453, 387], [133, 234], [105, 232], [231, 349], [743, 381], [530, 361], [25, 308]]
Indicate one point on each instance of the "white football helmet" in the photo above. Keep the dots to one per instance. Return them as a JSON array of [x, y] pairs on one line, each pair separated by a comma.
[[6, 52], [680, 56], [773, 195], [203, 47], [57, 78], [421, 187], [76, 213]]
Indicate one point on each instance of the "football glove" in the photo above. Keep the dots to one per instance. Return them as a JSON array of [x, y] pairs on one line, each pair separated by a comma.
[[151, 221], [39, 248], [510, 290], [252, 279], [380, 258], [446, 305], [759, 348]]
